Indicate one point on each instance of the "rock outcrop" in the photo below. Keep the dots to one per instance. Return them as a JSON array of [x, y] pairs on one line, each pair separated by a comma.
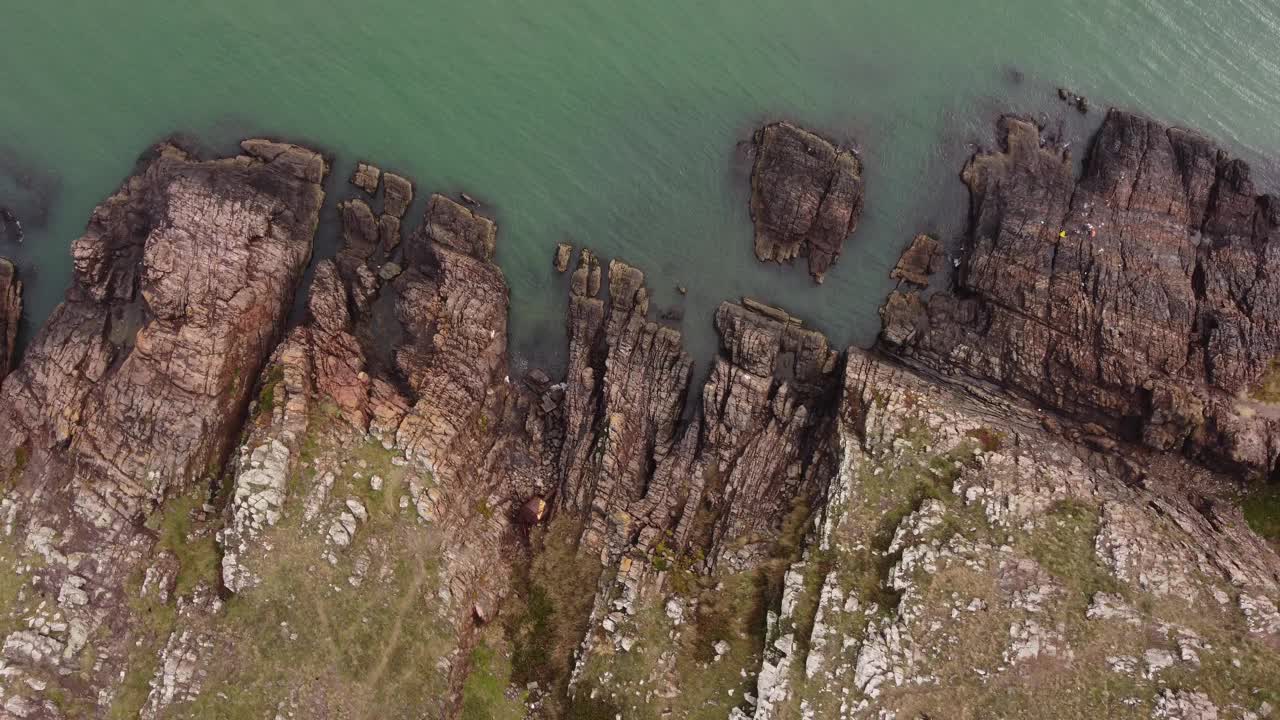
[[403, 528], [922, 258], [10, 314], [806, 197], [134, 389], [1140, 297], [366, 177]]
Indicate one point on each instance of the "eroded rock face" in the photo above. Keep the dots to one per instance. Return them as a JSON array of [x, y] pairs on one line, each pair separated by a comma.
[[743, 457], [135, 387], [1141, 296], [10, 314], [795, 529], [921, 259], [806, 197]]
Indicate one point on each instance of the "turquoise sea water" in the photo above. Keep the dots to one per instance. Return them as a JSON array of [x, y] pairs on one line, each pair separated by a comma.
[[608, 123]]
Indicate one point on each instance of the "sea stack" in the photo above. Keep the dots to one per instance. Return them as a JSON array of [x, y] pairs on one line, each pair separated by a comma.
[[806, 196]]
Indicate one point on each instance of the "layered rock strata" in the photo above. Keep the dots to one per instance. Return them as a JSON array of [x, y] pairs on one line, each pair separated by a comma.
[[806, 197], [405, 529], [10, 314], [1140, 296], [134, 389]]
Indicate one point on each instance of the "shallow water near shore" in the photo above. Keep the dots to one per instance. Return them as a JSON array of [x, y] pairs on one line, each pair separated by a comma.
[[616, 125]]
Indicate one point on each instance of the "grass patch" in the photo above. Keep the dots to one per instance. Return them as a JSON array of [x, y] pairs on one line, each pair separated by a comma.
[[484, 695], [153, 622], [21, 456], [358, 652], [199, 559], [1268, 388], [1261, 507], [547, 617], [730, 611], [1064, 547], [267, 395]]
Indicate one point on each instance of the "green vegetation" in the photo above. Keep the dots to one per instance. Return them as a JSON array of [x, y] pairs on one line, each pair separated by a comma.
[[1065, 548], [267, 395], [730, 611], [361, 652], [1261, 508], [547, 617], [153, 622], [11, 584], [1268, 388], [21, 456], [359, 637], [484, 695], [195, 546]]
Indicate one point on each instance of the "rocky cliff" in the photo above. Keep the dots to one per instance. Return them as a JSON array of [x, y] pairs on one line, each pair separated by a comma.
[[133, 393], [376, 519], [1139, 297], [10, 314]]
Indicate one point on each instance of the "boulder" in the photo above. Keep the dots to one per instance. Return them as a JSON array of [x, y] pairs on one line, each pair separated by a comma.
[[564, 251], [366, 177], [918, 262], [397, 195]]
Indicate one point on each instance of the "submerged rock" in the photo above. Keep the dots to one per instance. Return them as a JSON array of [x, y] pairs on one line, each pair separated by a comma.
[[806, 197]]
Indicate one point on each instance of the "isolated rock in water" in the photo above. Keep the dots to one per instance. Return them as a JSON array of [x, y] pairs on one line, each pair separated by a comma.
[[10, 313], [564, 251], [919, 261], [366, 177], [806, 196], [397, 195], [1144, 296]]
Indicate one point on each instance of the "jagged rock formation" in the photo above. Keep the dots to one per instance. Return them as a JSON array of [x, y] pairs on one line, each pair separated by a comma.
[[806, 197], [134, 389], [366, 177], [404, 529], [921, 259], [1140, 297], [10, 314]]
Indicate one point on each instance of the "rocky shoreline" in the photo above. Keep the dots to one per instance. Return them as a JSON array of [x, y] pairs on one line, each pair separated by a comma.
[[1024, 491]]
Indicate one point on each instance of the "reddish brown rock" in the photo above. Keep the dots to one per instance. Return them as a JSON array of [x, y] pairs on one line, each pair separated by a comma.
[[919, 261], [564, 252], [366, 177], [1142, 296], [458, 227], [10, 314], [806, 197], [135, 388], [398, 195]]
